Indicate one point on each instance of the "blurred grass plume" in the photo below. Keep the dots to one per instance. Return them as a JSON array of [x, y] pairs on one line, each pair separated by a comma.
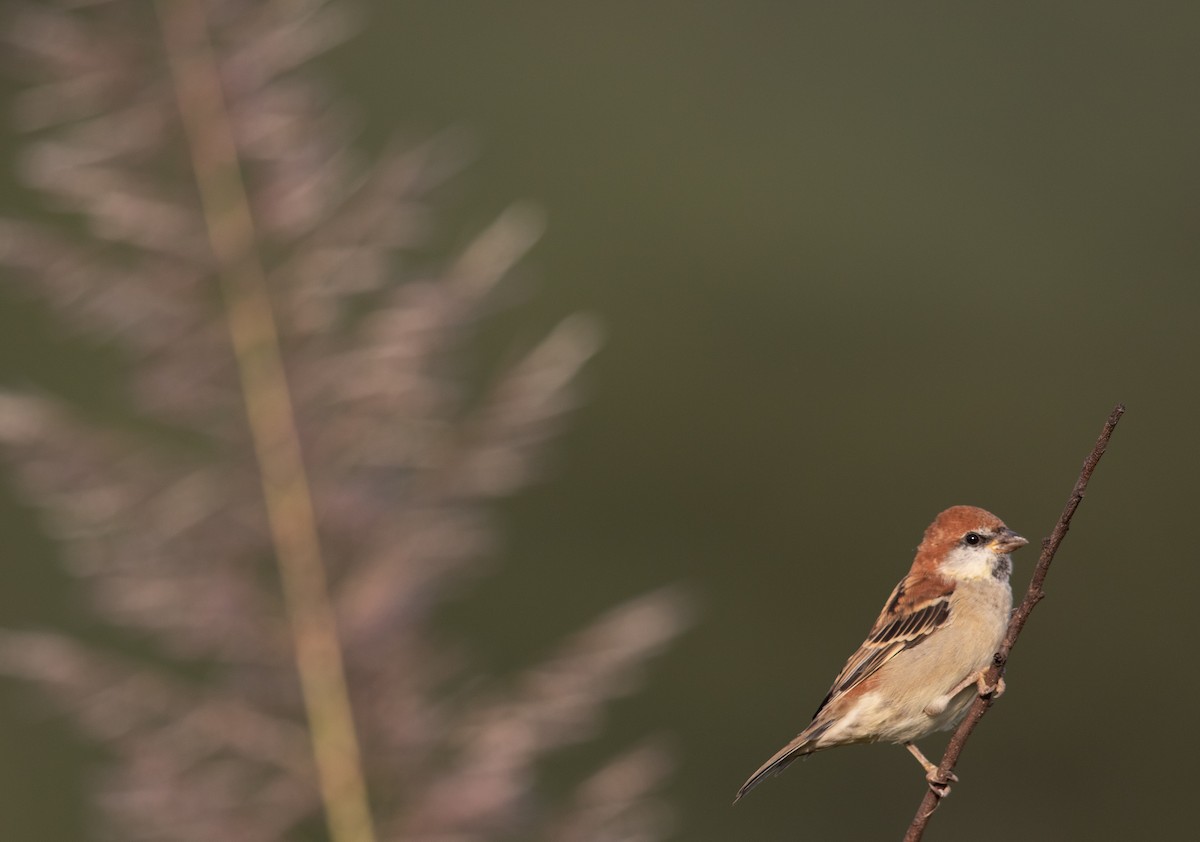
[[401, 452]]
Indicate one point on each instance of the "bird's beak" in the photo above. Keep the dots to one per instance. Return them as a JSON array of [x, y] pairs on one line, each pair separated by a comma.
[[1007, 541]]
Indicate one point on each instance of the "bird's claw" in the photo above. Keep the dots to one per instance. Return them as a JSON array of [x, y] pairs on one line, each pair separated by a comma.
[[939, 783], [990, 691]]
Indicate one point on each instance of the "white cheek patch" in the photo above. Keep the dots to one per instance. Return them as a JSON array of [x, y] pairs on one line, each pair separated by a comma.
[[970, 563]]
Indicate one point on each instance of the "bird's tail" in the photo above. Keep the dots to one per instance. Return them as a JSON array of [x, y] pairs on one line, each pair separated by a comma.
[[802, 745]]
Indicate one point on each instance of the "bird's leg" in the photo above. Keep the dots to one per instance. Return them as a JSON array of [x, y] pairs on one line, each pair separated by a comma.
[[937, 782], [930, 768], [979, 679]]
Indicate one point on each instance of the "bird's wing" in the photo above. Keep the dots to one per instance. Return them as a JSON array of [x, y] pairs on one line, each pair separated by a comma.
[[916, 608]]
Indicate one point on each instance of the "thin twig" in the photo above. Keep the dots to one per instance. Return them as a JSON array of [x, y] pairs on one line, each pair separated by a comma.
[[1032, 597], [271, 418]]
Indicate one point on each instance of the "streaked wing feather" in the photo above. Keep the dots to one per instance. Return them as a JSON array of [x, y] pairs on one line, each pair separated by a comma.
[[911, 614]]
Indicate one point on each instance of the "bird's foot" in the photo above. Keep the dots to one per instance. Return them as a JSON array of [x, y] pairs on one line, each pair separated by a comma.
[[990, 691], [939, 783]]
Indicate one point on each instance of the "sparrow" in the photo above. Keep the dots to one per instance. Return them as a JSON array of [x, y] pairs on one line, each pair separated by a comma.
[[925, 658]]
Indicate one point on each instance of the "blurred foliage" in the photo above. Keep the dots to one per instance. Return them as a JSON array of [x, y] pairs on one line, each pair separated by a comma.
[[235, 719], [856, 264]]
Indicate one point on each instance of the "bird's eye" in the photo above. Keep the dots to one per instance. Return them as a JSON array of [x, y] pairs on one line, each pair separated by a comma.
[[972, 538]]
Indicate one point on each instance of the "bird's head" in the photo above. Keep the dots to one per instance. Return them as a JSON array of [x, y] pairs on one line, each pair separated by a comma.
[[965, 543]]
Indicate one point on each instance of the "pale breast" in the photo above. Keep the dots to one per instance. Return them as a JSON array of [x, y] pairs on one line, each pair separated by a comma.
[[964, 646]]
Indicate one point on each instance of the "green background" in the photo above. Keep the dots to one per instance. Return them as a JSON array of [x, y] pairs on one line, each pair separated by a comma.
[[856, 263]]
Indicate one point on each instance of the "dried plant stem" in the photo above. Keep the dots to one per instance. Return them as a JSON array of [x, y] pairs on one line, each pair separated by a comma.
[[271, 419], [1032, 597]]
